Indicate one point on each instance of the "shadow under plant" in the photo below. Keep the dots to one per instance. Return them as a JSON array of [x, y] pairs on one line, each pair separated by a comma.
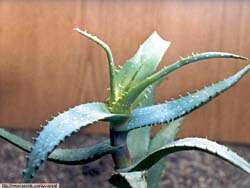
[[139, 160]]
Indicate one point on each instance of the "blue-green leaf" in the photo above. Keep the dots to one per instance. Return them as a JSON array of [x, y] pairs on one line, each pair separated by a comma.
[[199, 144], [165, 135], [15, 140], [141, 137], [61, 127], [64, 156], [82, 155], [129, 97], [108, 51], [169, 111]]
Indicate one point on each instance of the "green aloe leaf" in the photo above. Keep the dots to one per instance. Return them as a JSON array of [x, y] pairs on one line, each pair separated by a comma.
[[15, 140], [82, 155], [129, 180], [61, 127], [199, 144], [165, 135], [141, 137], [138, 137], [169, 111], [139, 67], [64, 156], [108, 51], [129, 98]]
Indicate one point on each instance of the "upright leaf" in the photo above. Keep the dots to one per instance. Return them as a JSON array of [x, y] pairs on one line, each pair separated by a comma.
[[139, 67], [166, 135], [142, 65], [112, 69], [141, 137], [61, 127]]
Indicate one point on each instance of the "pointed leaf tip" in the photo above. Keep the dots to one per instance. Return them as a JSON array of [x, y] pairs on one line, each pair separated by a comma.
[[169, 111], [199, 144], [137, 89], [138, 68], [60, 128]]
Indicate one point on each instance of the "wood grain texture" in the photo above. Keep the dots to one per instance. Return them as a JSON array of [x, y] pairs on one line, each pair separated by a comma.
[[46, 67]]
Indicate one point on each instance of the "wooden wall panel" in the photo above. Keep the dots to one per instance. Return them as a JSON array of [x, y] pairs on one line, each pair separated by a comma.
[[46, 67]]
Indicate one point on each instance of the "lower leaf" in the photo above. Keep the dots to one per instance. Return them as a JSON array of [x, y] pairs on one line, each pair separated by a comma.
[[61, 127], [199, 144], [64, 156]]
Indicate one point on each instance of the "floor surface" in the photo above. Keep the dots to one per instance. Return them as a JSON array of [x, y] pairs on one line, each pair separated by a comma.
[[189, 169]]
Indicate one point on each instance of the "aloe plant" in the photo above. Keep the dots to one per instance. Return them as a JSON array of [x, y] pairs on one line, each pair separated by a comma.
[[138, 158]]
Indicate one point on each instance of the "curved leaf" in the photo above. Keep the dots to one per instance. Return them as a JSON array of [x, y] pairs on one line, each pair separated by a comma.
[[110, 60], [139, 67], [64, 156], [199, 144], [165, 135], [61, 127], [134, 92], [141, 137], [169, 111], [82, 155]]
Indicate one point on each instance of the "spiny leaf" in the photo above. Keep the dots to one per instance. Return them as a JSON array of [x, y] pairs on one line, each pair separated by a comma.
[[169, 111], [139, 67], [61, 127], [146, 97], [199, 144], [134, 92], [64, 156], [129, 180], [141, 137], [110, 60], [165, 135]]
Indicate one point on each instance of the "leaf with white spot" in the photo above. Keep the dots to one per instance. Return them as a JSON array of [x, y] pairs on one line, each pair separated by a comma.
[[61, 127], [169, 111], [129, 98]]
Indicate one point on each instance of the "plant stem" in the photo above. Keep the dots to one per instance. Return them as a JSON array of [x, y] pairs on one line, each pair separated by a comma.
[[121, 156]]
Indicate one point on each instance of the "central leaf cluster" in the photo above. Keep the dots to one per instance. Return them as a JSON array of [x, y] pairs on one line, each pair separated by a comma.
[[135, 70]]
